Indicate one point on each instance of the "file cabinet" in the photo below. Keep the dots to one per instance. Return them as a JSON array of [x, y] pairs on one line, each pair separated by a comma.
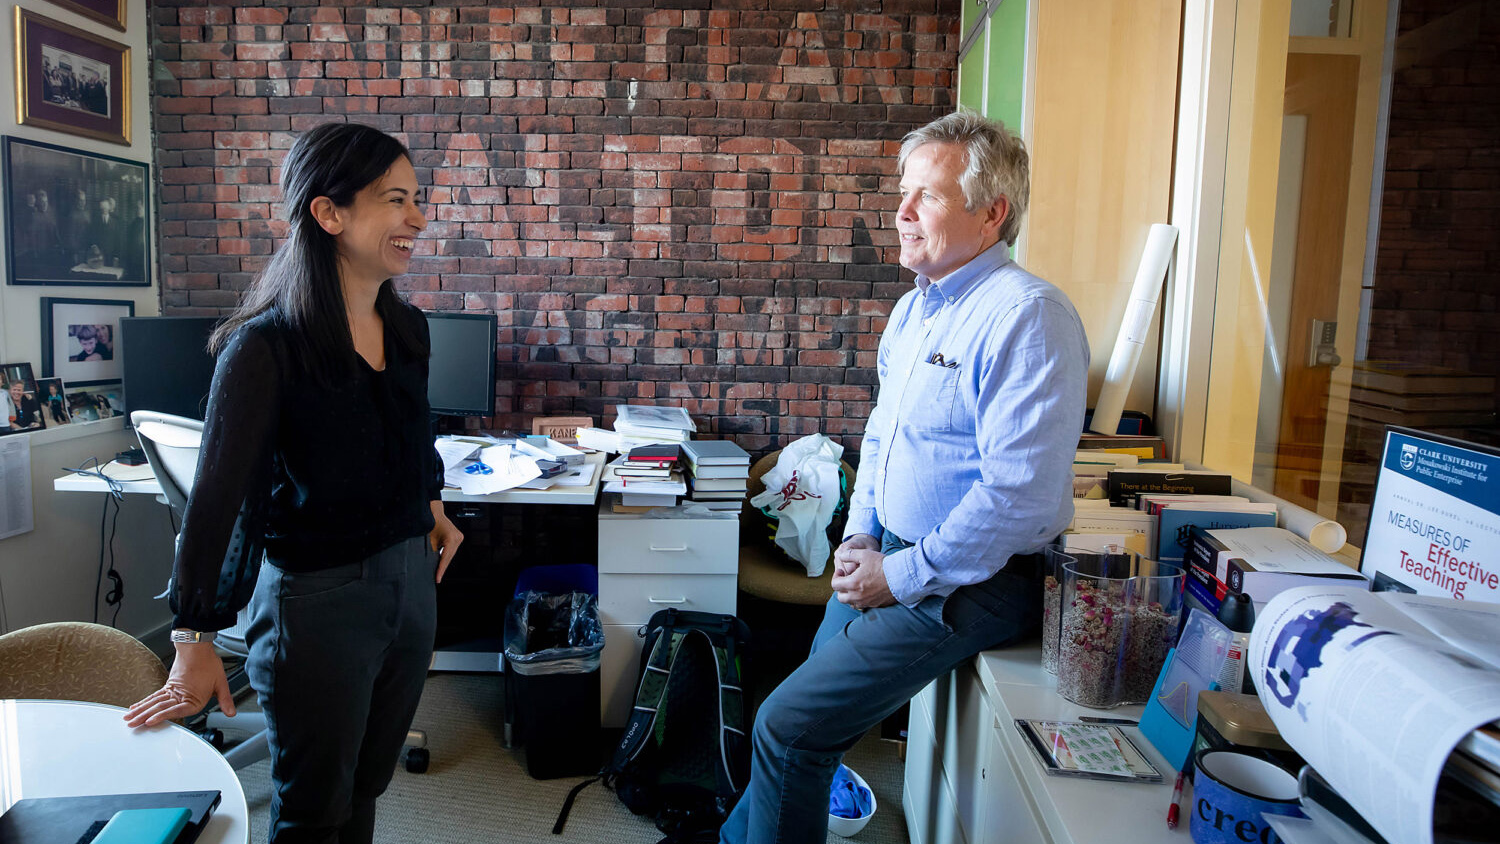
[[650, 562]]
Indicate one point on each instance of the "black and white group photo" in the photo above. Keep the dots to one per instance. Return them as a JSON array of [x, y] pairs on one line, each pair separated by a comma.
[[73, 81], [73, 217]]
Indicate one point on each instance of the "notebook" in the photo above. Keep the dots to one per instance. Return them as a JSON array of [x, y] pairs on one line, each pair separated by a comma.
[[70, 820]]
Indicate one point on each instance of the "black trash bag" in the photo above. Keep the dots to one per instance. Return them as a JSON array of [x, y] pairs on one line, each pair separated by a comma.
[[553, 634]]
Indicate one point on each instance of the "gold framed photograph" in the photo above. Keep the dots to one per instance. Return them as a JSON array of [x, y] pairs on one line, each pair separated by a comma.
[[69, 80], [107, 12]]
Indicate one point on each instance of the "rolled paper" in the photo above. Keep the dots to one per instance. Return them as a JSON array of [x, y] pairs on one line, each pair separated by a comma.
[[1132, 337], [1324, 534]]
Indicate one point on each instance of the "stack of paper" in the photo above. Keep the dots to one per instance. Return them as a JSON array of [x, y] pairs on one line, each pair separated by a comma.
[[650, 422]]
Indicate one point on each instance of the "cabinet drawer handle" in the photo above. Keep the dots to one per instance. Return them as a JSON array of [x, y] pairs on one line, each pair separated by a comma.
[[671, 548], [667, 600]]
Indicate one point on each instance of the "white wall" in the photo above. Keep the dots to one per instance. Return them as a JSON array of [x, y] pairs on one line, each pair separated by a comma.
[[49, 574]]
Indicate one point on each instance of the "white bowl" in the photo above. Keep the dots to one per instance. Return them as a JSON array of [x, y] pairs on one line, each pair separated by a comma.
[[845, 827]]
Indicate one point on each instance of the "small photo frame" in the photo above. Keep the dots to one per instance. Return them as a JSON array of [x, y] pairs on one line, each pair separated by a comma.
[[52, 394], [74, 218], [99, 401], [79, 339], [70, 80], [20, 411], [108, 12]]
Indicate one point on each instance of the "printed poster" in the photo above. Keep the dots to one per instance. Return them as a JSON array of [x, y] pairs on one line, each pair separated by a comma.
[[1435, 520]]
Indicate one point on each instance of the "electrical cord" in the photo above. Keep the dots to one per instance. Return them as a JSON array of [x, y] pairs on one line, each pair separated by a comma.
[[116, 594]]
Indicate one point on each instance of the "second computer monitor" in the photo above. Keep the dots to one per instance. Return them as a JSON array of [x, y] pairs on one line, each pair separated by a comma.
[[461, 372]]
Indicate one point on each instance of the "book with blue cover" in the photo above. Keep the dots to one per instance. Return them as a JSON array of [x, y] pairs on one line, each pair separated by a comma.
[[1175, 523]]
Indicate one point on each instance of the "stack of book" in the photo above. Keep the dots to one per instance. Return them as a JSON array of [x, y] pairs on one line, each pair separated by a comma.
[[646, 476], [1258, 561], [718, 472], [1139, 496]]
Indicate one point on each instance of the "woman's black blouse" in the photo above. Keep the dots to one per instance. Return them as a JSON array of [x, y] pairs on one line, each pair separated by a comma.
[[322, 474]]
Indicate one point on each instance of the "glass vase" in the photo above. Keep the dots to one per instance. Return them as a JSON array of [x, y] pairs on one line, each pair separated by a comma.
[[1119, 617]]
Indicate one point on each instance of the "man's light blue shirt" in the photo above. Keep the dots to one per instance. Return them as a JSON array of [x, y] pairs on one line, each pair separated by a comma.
[[969, 451]]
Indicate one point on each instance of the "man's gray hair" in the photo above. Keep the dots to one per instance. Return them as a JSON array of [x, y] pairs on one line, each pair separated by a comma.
[[995, 163]]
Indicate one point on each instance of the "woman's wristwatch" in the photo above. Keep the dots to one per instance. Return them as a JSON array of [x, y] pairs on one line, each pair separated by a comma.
[[190, 637]]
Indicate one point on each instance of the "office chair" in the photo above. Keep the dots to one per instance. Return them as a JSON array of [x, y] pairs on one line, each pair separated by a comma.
[[171, 444], [76, 660]]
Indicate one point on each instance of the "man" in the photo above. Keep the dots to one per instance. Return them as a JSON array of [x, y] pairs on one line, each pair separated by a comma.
[[965, 474]]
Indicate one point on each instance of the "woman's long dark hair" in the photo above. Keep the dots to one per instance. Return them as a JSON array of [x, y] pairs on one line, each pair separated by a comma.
[[301, 281]]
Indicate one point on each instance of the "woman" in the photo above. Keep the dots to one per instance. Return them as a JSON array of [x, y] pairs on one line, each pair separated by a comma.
[[343, 499]]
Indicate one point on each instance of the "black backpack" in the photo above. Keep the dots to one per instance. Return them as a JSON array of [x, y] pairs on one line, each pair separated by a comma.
[[684, 758]]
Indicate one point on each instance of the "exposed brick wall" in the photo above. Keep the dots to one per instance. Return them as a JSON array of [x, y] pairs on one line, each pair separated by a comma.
[[1437, 281], [683, 201]]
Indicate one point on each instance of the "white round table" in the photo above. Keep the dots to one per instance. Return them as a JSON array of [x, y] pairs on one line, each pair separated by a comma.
[[53, 748]]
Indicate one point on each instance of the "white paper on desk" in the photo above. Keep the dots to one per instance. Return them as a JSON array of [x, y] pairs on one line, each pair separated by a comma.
[[15, 486], [454, 453], [508, 470], [581, 475]]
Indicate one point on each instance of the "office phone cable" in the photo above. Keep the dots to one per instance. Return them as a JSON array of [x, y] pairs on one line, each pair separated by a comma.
[[91, 468]]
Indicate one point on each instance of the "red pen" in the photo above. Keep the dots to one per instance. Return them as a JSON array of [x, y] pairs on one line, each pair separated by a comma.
[[1176, 798]]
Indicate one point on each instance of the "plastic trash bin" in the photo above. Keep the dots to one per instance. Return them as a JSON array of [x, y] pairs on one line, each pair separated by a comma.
[[552, 647]]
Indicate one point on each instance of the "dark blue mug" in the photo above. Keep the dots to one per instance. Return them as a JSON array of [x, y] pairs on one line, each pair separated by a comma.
[[1232, 790]]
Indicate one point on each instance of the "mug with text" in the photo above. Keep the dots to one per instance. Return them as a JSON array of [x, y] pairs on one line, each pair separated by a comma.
[[1232, 790]]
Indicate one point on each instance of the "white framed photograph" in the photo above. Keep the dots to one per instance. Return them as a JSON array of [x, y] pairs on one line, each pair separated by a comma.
[[79, 339]]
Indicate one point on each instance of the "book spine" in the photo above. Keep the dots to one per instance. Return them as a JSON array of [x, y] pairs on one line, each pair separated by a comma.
[[1202, 592], [1125, 485]]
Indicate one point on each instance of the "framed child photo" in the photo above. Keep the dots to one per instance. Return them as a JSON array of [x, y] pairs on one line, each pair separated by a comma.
[[74, 218], [52, 396], [78, 339], [70, 80]]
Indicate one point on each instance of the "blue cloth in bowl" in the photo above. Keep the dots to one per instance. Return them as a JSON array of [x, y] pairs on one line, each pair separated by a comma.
[[848, 799]]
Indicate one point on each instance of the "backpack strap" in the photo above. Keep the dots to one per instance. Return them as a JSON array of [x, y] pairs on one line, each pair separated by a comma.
[[567, 806], [731, 709], [648, 697]]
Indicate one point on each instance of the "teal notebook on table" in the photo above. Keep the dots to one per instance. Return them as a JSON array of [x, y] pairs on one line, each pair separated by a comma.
[[71, 820], [144, 826]]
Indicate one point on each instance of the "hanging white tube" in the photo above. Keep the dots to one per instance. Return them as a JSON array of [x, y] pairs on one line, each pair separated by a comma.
[[1132, 337]]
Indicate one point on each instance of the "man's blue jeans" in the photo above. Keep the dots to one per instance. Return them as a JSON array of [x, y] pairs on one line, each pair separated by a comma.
[[863, 667]]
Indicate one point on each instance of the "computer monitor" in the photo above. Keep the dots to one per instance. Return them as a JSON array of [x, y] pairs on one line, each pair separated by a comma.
[[165, 364], [461, 372]]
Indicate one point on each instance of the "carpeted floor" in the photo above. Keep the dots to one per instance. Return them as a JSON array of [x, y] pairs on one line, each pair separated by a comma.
[[477, 791]]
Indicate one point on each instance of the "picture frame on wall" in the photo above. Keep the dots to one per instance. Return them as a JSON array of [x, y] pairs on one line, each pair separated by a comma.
[[20, 410], [74, 218], [80, 339], [108, 12], [51, 394], [97, 401], [70, 80]]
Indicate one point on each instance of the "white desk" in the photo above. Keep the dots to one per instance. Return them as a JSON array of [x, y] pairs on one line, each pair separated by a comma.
[[73, 482], [453, 658], [54, 748], [970, 778]]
